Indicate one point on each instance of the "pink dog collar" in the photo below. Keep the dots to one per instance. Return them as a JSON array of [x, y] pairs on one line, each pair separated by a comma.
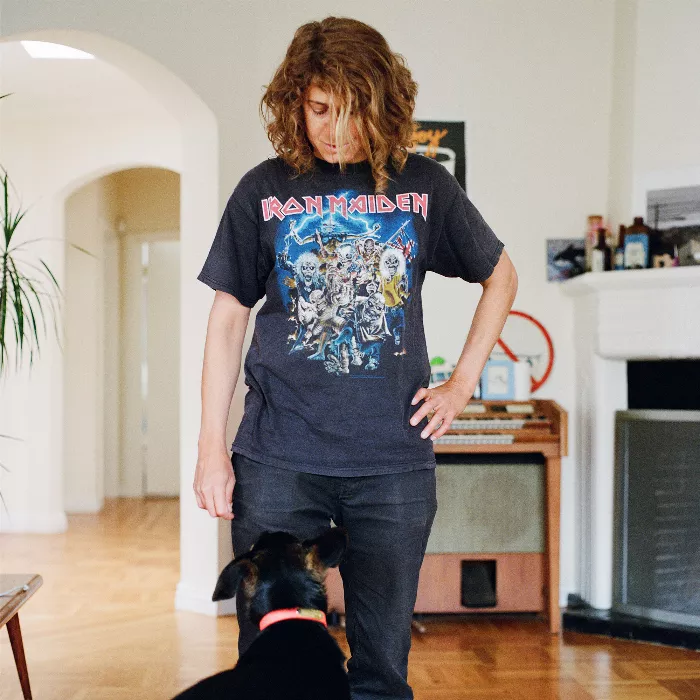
[[293, 614]]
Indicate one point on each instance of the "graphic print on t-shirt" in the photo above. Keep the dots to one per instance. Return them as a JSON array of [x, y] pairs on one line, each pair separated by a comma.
[[345, 271]]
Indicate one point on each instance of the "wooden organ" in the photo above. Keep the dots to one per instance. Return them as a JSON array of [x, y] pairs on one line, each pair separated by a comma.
[[497, 528]]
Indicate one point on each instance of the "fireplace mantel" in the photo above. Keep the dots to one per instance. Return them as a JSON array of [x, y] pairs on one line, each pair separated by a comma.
[[619, 316], [659, 278], [639, 314]]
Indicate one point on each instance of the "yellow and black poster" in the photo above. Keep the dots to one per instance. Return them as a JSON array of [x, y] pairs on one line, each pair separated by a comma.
[[446, 143]]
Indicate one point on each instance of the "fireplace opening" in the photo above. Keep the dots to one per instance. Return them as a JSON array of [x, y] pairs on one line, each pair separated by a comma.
[[656, 557], [663, 384]]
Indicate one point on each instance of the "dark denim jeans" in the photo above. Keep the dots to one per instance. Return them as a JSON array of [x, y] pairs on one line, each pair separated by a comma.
[[388, 519]]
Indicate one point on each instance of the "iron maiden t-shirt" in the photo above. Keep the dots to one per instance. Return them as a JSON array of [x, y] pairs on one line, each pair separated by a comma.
[[338, 349]]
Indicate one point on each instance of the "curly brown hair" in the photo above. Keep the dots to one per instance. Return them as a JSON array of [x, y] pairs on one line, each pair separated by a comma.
[[367, 82]]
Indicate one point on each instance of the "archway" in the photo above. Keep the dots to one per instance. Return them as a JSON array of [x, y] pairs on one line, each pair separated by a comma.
[[199, 212]]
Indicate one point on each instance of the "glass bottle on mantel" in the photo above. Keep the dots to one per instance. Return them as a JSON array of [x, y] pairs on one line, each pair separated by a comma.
[[595, 221], [619, 261], [637, 244], [600, 255]]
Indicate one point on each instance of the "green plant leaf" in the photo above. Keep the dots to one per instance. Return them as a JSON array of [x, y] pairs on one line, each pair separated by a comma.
[[83, 250], [29, 284], [29, 241]]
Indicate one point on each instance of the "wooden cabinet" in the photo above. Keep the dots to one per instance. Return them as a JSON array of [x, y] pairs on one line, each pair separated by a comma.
[[527, 566]]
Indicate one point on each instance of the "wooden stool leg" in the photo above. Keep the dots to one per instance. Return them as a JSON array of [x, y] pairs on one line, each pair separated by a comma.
[[18, 650]]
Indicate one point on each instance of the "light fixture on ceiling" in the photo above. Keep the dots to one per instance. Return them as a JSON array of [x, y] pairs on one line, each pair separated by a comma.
[[44, 49]]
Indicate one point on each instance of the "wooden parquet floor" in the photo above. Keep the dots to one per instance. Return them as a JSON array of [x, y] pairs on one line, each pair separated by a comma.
[[103, 627]]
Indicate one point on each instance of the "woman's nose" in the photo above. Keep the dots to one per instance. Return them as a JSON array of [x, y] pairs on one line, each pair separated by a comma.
[[331, 126]]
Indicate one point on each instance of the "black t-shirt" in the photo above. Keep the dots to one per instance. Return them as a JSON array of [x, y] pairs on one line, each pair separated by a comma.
[[338, 349]]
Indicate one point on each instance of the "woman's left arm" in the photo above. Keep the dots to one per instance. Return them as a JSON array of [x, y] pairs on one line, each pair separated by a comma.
[[449, 399]]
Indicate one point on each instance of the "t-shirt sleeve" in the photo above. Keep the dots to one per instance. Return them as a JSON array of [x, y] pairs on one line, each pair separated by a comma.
[[235, 263], [466, 246]]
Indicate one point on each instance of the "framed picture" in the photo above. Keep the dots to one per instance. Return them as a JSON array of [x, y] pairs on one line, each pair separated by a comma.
[[444, 142], [566, 258], [498, 380]]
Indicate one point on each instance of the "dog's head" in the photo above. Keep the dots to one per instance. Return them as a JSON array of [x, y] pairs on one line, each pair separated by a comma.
[[281, 571]]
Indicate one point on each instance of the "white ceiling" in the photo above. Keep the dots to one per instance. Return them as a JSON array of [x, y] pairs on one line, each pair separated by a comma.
[[46, 87]]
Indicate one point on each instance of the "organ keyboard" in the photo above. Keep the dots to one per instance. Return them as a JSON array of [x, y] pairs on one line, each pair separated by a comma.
[[528, 426]]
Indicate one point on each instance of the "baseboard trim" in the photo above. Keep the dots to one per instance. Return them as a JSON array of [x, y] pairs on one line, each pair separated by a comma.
[[33, 522], [194, 599], [227, 607], [617, 625], [84, 507]]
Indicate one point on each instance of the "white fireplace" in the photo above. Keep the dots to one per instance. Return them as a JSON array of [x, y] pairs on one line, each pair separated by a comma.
[[619, 316]]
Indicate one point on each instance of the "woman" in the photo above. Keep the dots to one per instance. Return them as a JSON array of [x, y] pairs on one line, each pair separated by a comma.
[[338, 232]]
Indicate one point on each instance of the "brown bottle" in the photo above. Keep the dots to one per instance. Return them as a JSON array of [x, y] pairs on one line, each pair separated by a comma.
[[601, 257], [619, 261], [637, 244]]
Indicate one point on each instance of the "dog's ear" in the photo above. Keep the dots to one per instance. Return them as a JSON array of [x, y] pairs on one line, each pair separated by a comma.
[[328, 548], [231, 577]]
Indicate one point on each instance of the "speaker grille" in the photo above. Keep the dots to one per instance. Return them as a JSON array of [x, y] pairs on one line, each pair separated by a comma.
[[488, 507]]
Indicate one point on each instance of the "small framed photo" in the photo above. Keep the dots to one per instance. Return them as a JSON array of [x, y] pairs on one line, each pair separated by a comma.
[[566, 258], [498, 380]]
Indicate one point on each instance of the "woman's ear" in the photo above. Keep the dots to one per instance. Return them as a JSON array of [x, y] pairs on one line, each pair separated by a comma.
[[230, 578], [328, 549]]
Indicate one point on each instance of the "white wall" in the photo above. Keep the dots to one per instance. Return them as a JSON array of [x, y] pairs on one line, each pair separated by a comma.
[[666, 150], [163, 360], [656, 103], [111, 324], [102, 392], [622, 114], [147, 209], [149, 330], [667, 86], [89, 222], [49, 160]]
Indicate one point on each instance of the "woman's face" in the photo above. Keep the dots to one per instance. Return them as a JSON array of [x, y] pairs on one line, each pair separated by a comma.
[[320, 129]]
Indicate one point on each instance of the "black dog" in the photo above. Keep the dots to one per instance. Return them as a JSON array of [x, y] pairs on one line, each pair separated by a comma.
[[294, 658]]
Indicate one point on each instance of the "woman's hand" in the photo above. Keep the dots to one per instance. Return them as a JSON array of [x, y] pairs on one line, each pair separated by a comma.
[[213, 483], [445, 402]]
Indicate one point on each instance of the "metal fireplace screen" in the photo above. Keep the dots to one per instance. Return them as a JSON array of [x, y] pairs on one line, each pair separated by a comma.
[[657, 515]]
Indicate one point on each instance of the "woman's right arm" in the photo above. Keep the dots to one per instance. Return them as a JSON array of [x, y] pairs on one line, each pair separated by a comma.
[[213, 479]]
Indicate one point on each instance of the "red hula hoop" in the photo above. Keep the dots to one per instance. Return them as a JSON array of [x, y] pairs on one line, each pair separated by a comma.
[[536, 384]]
